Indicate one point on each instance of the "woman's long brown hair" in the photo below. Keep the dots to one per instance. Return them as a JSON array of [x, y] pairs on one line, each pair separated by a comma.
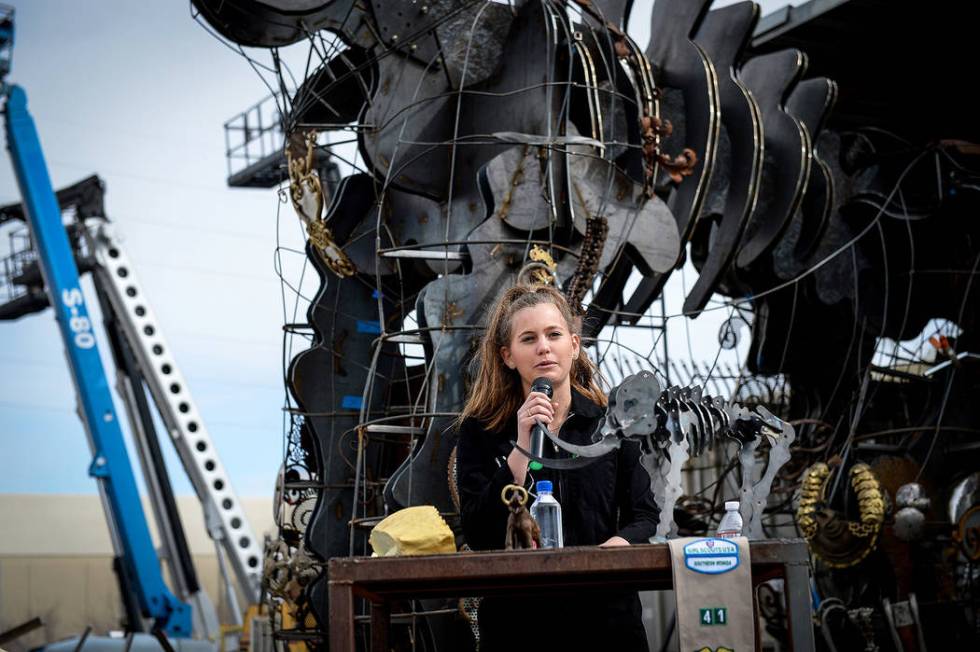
[[497, 391]]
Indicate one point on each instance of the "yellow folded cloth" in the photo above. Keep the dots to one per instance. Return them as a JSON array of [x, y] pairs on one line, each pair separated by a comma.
[[412, 531]]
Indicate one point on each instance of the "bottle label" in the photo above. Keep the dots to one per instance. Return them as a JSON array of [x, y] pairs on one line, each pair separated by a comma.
[[711, 556]]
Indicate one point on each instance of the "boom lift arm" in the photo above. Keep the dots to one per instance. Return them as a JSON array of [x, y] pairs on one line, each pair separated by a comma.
[[110, 462], [144, 361]]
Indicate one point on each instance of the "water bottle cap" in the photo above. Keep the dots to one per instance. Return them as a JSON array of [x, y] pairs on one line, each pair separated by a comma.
[[545, 485], [731, 505]]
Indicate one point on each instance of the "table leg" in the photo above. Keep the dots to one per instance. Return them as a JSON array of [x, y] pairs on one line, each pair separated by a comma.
[[380, 620], [798, 606], [341, 597]]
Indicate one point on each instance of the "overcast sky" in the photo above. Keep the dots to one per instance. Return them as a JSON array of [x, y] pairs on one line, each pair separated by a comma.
[[137, 93]]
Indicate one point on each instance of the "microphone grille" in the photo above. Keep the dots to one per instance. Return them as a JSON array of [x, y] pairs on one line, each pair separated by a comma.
[[542, 385]]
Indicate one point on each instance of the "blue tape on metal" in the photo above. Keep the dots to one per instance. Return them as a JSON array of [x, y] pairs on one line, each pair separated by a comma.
[[352, 403], [372, 327]]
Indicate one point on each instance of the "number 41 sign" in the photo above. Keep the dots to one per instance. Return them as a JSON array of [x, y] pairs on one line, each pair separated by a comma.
[[713, 616]]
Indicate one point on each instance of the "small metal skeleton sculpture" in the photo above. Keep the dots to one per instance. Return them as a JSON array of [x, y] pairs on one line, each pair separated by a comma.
[[522, 530], [674, 424]]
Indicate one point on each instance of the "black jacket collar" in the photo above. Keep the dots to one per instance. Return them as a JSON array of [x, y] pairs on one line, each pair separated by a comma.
[[583, 406]]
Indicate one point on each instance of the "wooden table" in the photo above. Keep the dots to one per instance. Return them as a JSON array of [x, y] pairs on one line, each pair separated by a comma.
[[642, 567]]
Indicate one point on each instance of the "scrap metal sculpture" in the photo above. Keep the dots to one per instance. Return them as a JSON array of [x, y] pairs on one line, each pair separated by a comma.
[[498, 142], [677, 424]]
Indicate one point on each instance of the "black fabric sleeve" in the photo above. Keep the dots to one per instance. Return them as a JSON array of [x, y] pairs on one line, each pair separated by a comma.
[[638, 513], [481, 474]]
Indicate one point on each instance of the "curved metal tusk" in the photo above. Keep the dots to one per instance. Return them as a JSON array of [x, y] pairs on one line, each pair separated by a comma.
[[592, 450], [558, 463]]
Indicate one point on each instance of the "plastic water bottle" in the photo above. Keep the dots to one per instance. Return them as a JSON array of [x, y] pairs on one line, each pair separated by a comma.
[[547, 513], [731, 523]]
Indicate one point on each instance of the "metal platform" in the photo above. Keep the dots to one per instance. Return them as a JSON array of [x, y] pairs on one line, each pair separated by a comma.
[[254, 149]]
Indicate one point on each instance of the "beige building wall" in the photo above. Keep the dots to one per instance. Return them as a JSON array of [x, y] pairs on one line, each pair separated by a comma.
[[56, 563]]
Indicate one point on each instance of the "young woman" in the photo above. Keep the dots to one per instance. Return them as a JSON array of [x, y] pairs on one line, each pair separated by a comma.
[[532, 333]]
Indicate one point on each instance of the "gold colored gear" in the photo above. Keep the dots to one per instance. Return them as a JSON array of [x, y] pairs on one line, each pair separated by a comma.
[[306, 195], [540, 255], [546, 268], [811, 493], [508, 493], [305, 189], [330, 253], [871, 503], [838, 542]]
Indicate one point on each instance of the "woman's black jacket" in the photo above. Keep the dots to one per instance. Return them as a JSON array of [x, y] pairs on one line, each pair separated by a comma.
[[610, 497]]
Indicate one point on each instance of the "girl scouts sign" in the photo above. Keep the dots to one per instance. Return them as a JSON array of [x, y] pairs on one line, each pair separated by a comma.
[[711, 556], [713, 587]]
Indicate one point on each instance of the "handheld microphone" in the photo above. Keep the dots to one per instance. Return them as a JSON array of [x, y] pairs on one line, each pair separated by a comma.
[[542, 385]]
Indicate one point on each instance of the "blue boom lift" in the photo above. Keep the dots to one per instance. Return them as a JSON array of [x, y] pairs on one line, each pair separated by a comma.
[[143, 363]]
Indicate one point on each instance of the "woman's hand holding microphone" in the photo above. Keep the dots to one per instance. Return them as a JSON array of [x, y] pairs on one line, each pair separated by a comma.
[[537, 408]]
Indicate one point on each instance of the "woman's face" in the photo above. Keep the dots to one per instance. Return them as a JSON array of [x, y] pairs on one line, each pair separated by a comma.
[[541, 344]]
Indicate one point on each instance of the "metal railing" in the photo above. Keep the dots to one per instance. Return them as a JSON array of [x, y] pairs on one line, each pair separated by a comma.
[[254, 139], [21, 256]]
